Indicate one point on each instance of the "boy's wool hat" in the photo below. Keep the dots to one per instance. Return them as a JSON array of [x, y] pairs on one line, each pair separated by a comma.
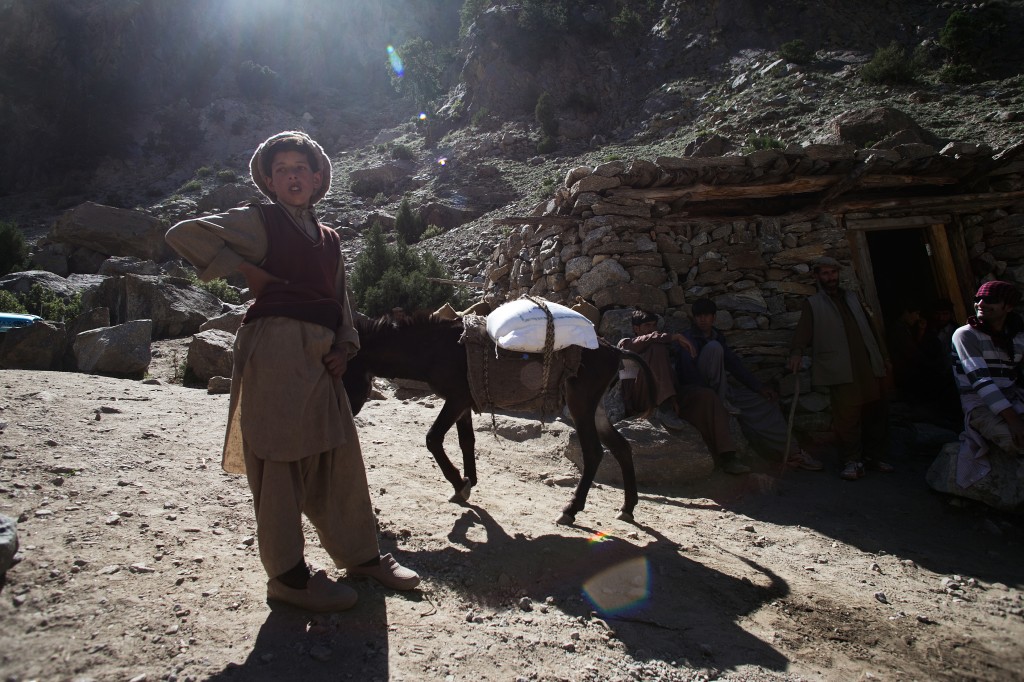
[[825, 262], [1000, 291], [325, 165]]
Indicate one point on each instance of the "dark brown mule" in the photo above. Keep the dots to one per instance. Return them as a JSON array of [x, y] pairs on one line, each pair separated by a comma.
[[428, 350]]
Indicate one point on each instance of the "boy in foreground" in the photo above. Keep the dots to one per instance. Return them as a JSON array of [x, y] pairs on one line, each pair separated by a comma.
[[290, 427]]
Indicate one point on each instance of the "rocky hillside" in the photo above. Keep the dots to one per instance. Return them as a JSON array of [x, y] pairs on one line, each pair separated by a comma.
[[100, 115]]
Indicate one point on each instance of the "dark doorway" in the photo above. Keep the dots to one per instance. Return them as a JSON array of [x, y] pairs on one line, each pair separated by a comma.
[[903, 271]]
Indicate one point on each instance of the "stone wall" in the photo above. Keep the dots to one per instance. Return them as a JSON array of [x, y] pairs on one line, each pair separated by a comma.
[[624, 234]]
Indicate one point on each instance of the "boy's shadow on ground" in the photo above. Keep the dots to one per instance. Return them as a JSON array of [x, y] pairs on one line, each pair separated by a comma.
[[653, 600]]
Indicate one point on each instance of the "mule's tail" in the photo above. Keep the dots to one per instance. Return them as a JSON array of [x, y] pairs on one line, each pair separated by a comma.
[[652, 397]]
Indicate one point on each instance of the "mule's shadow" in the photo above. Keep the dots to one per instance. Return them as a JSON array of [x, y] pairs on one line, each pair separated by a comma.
[[659, 603]]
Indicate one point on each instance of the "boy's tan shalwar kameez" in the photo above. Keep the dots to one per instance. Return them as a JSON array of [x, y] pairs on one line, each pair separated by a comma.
[[290, 427]]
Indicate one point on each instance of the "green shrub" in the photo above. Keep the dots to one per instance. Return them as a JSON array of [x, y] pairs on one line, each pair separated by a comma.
[[191, 186], [423, 67], [544, 112], [756, 142], [227, 175], [13, 249], [962, 37], [959, 73], [218, 287], [385, 277], [546, 145], [50, 305], [797, 52], [627, 24], [480, 117], [380, 199], [432, 231], [890, 65], [204, 172], [408, 225], [402, 152], [9, 303]]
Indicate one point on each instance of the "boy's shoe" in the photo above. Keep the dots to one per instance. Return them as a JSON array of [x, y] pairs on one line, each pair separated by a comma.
[[852, 471], [388, 573], [733, 465], [731, 409], [321, 594], [878, 465], [801, 460]]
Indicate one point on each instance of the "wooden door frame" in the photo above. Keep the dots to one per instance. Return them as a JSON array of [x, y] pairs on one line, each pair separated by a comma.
[[948, 255]]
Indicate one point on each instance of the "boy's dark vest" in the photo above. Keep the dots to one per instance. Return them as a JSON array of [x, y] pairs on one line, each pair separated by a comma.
[[309, 269]]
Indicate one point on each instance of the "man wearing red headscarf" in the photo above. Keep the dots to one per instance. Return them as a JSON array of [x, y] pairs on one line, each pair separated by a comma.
[[988, 358]]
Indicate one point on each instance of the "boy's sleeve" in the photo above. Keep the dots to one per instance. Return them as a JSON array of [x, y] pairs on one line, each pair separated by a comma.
[[968, 349], [218, 244], [345, 337]]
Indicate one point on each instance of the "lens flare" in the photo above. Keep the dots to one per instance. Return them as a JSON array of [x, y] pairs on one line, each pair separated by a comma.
[[442, 161], [396, 62], [599, 536], [621, 587], [423, 116]]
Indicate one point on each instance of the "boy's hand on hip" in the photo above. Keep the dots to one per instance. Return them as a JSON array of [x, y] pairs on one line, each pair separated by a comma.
[[257, 278], [336, 361]]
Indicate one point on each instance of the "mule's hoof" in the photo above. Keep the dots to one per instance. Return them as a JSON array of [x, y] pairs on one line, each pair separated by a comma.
[[566, 520], [467, 490], [625, 516]]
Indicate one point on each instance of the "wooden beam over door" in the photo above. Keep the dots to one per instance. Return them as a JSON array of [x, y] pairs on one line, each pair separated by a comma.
[[942, 257]]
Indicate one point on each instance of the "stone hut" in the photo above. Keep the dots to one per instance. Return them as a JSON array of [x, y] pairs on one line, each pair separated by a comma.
[[743, 230]]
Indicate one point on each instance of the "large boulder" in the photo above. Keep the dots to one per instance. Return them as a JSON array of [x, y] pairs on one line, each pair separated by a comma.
[[228, 322], [210, 354], [38, 346], [175, 307], [866, 127], [112, 231], [65, 287], [122, 350], [227, 196], [369, 181]]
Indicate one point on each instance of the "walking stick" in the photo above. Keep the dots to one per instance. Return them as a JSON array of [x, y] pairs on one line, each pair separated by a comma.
[[789, 427]]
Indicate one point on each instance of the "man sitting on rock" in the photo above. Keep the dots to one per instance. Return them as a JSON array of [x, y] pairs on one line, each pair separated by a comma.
[[753, 404], [988, 358], [695, 403]]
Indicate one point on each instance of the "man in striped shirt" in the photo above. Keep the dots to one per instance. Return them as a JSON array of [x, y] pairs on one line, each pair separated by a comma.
[[988, 354]]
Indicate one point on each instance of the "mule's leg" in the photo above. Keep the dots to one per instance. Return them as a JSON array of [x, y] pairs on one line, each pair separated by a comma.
[[623, 454], [467, 443], [435, 443], [582, 410]]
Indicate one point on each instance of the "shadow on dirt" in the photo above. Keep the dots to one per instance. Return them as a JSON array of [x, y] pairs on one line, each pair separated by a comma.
[[652, 599], [895, 513]]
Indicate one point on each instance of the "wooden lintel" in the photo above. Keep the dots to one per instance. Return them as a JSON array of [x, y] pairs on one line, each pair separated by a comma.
[[896, 223], [959, 202]]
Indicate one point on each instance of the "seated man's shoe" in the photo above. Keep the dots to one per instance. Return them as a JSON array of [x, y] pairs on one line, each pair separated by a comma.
[[733, 465], [730, 408], [388, 573], [878, 465], [852, 471], [801, 460], [669, 419], [321, 594]]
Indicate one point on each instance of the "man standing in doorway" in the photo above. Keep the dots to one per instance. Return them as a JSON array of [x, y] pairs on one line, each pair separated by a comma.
[[848, 359]]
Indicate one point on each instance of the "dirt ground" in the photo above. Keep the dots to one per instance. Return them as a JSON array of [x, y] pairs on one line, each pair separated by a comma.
[[138, 560]]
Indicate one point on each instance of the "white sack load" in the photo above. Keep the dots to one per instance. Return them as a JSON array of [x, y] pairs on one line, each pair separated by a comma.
[[521, 325]]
